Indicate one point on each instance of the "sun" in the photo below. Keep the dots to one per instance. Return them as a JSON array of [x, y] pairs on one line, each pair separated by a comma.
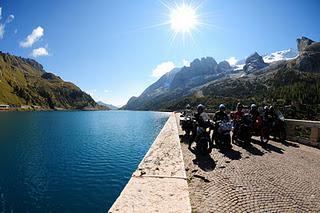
[[183, 18]]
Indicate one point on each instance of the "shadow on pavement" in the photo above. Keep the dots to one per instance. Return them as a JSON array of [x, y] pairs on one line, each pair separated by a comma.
[[268, 147], [185, 138], [287, 143], [251, 149], [231, 154], [204, 162]]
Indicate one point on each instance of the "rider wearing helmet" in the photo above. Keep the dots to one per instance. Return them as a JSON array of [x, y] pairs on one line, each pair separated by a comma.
[[187, 111], [239, 113], [254, 111], [237, 116], [202, 118], [255, 116], [221, 114], [272, 115]]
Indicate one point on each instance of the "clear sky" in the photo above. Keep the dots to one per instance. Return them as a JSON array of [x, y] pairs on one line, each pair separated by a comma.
[[110, 48]]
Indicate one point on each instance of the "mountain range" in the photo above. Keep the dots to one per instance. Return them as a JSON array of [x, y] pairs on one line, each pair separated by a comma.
[[25, 83], [108, 106], [284, 78]]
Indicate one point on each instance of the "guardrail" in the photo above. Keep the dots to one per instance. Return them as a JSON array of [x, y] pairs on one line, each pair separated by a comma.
[[303, 131]]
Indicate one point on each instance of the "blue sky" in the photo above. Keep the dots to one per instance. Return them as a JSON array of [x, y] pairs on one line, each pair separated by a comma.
[[111, 48]]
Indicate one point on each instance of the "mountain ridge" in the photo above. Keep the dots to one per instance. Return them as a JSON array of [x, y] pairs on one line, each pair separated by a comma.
[[208, 85], [24, 82]]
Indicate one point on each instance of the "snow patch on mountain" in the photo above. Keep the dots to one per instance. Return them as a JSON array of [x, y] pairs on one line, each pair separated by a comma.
[[282, 55]]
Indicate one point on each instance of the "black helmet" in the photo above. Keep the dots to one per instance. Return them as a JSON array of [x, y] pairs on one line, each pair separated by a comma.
[[200, 107], [239, 106], [188, 106]]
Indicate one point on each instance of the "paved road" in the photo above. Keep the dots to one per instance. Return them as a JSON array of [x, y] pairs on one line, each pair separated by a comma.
[[261, 178]]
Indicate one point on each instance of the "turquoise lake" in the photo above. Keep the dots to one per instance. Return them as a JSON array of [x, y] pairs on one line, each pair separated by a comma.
[[71, 161]]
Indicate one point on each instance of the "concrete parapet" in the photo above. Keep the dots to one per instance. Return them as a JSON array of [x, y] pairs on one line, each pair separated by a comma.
[[159, 184], [302, 131]]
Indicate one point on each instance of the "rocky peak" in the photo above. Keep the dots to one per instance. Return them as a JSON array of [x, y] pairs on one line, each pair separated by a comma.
[[254, 62], [224, 66], [303, 42], [205, 62], [34, 64], [50, 76]]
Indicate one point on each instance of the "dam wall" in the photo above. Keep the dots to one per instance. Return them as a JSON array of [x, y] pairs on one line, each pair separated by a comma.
[[160, 183]]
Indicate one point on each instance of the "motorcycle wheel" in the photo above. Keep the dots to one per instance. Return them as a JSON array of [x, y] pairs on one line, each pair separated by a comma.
[[203, 146], [282, 135], [264, 138], [247, 139], [264, 135]]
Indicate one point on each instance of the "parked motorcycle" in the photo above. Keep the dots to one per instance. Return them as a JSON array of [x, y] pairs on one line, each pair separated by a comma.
[[203, 140], [187, 124], [279, 127], [222, 134], [242, 130]]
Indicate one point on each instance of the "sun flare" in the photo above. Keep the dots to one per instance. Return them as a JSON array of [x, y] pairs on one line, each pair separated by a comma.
[[183, 18]]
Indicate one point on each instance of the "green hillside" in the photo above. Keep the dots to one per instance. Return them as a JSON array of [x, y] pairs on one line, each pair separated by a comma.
[[25, 82]]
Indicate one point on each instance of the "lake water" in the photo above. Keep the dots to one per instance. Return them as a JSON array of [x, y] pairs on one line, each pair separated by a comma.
[[71, 161]]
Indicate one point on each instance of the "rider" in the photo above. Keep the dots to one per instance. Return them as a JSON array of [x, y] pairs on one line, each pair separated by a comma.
[[239, 113], [221, 114], [255, 116], [254, 111], [187, 111], [201, 116], [272, 116], [202, 119], [237, 117]]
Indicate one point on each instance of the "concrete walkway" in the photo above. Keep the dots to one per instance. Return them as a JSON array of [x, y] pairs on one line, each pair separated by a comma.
[[159, 184]]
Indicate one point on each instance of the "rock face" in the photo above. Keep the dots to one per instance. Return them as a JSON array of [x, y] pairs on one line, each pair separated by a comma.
[[25, 82], [309, 59], [253, 63], [200, 71], [303, 42], [179, 82], [224, 67]]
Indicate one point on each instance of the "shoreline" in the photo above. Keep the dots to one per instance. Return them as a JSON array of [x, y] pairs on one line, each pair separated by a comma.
[[49, 110]]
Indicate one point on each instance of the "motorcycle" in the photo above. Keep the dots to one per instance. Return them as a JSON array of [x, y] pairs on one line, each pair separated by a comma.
[[203, 140], [278, 127], [242, 130], [187, 124], [222, 134]]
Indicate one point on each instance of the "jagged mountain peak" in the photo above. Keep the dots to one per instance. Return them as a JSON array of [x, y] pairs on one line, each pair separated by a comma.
[[253, 63], [303, 42]]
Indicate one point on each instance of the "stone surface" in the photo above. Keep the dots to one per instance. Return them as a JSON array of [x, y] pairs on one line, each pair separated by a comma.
[[148, 194], [159, 184], [260, 178], [303, 42]]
